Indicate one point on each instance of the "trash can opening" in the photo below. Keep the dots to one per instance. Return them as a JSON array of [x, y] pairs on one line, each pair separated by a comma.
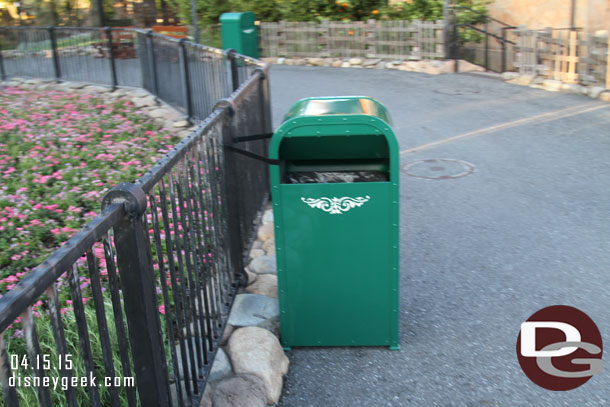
[[329, 177], [339, 159]]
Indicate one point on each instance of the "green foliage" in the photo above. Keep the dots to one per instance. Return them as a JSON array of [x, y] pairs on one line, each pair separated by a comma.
[[57, 12], [265, 10], [308, 10], [209, 12], [433, 10], [16, 346]]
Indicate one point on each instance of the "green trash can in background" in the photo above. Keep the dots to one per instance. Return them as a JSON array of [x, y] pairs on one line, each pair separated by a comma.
[[335, 205], [239, 32]]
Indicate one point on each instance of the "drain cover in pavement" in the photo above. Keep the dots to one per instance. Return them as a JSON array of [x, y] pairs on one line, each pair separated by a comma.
[[437, 168]]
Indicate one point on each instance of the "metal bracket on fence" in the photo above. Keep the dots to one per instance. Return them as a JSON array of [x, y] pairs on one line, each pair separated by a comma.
[[225, 103], [132, 196], [262, 73]]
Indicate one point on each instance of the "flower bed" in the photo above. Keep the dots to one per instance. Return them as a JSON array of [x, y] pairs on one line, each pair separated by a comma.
[[59, 153]]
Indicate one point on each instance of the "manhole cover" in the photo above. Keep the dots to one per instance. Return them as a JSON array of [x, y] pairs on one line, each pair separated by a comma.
[[437, 168], [457, 92]]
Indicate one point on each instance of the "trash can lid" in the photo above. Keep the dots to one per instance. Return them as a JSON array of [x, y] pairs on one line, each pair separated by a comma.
[[339, 105], [245, 18]]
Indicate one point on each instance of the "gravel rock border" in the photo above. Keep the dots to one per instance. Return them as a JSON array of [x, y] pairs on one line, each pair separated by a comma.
[[428, 66], [251, 337], [550, 85]]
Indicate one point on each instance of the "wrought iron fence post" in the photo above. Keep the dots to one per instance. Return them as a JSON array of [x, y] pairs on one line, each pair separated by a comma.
[[232, 55], [2, 71], [151, 62], [265, 100], [55, 54], [486, 44], [113, 79], [134, 262], [455, 48], [186, 80], [230, 194], [503, 45]]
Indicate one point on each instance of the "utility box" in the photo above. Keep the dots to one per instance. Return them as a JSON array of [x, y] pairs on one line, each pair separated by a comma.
[[239, 32], [335, 205]]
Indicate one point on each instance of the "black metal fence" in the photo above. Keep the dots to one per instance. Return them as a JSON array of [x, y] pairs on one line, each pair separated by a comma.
[[190, 77], [163, 260]]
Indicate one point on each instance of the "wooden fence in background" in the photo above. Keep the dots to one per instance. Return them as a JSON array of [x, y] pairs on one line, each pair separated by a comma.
[[566, 55], [370, 39]]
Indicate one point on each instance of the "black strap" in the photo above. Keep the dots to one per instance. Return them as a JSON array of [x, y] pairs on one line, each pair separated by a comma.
[[269, 161], [252, 138]]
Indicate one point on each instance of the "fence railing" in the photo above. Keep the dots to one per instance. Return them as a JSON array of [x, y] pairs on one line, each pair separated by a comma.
[[484, 41], [568, 55], [163, 260], [370, 39], [190, 77]]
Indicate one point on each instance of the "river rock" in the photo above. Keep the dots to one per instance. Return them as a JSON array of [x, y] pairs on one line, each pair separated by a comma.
[[263, 265], [257, 351], [254, 253], [253, 310], [268, 216], [595, 91], [371, 62], [226, 334], [144, 102], [316, 61], [509, 76], [605, 96], [269, 247], [165, 113], [221, 367], [552, 85], [265, 284], [245, 390], [265, 232]]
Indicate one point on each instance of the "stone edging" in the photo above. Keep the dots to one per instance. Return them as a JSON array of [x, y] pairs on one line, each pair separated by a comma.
[[595, 92], [164, 115], [431, 67], [249, 366]]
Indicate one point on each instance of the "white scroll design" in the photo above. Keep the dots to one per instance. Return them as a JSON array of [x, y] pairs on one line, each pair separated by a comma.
[[336, 206]]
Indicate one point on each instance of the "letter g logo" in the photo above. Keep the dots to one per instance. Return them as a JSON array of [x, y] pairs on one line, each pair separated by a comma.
[[555, 344]]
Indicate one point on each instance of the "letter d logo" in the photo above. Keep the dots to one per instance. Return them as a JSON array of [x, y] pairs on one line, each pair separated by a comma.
[[528, 338], [559, 348]]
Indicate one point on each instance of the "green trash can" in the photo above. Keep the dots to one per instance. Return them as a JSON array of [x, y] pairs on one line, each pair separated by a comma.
[[239, 32], [335, 205]]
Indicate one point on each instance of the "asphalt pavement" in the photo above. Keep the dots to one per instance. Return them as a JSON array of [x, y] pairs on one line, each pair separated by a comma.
[[519, 220]]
